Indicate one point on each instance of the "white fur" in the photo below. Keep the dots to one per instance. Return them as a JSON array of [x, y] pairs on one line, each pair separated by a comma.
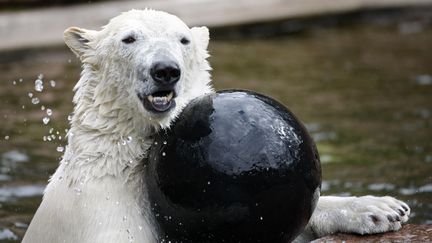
[[98, 194]]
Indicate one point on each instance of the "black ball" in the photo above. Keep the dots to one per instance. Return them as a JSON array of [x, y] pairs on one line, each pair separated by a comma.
[[236, 166]]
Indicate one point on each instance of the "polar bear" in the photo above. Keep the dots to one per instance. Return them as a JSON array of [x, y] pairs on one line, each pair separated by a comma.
[[139, 71]]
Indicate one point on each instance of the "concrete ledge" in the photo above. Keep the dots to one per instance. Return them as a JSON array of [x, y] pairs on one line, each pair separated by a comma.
[[408, 233], [44, 27]]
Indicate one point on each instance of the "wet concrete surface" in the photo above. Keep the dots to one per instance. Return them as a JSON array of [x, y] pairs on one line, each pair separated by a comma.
[[408, 233]]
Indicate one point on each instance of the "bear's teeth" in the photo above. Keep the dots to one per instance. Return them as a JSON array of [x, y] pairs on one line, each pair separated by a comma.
[[170, 95], [160, 100], [167, 98]]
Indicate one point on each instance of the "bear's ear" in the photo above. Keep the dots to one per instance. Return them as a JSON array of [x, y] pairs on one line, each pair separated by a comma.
[[78, 39], [202, 36]]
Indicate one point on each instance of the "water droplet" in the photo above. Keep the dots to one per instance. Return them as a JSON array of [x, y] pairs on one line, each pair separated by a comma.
[[163, 154], [69, 60], [60, 149], [123, 142], [44, 138], [30, 94], [59, 137], [52, 83], [51, 130], [69, 118], [14, 82], [78, 191], [261, 218], [20, 80], [38, 85], [155, 143], [53, 136], [117, 202], [100, 223], [23, 107], [164, 142], [45, 120], [140, 227], [49, 138], [42, 108], [35, 101], [130, 161], [208, 182], [6, 137], [49, 112], [129, 139]]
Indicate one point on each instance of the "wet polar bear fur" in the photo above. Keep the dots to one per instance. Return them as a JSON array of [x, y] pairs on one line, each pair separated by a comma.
[[97, 194]]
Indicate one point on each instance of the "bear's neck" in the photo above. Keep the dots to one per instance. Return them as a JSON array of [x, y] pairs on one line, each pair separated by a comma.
[[104, 139]]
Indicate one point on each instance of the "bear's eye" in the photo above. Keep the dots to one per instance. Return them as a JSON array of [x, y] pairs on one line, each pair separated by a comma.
[[129, 39], [184, 41]]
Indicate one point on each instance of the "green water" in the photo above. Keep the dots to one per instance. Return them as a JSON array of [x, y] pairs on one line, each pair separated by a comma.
[[365, 93]]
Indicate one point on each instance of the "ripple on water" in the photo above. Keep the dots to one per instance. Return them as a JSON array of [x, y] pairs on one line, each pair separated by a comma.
[[381, 187], [9, 193], [415, 190], [7, 234], [14, 156], [424, 79], [9, 161]]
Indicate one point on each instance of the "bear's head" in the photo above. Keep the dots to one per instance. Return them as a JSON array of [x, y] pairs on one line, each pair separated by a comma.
[[145, 61]]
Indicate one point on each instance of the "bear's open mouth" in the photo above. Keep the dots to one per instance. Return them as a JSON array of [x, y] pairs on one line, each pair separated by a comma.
[[161, 101]]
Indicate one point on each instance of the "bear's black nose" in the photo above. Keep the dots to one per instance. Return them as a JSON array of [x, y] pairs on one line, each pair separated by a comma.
[[165, 72]]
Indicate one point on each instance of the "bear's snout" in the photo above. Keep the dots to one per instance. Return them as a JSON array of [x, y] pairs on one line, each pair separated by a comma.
[[165, 72]]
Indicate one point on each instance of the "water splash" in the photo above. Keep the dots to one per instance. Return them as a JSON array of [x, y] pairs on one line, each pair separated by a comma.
[[35, 101], [45, 120], [78, 191], [52, 83], [39, 83]]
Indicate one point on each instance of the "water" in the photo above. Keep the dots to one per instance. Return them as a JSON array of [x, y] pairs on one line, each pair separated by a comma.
[[364, 93]]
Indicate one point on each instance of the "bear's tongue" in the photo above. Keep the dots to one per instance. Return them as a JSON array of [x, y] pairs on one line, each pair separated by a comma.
[[161, 101]]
